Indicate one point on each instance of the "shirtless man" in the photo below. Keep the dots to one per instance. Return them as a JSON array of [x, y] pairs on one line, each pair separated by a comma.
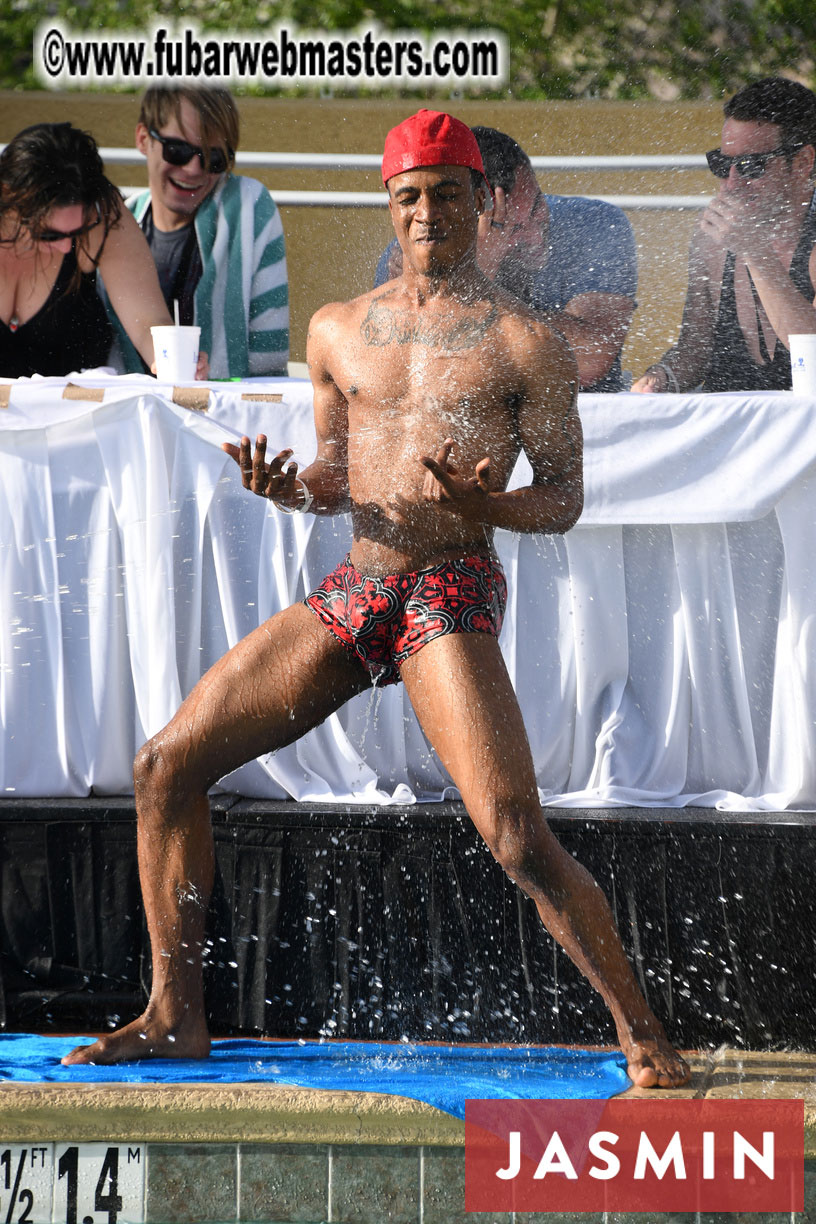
[[424, 393], [571, 259], [752, 260]]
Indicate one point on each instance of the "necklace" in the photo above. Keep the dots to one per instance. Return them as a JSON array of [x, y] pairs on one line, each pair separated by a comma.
[[14, 323]]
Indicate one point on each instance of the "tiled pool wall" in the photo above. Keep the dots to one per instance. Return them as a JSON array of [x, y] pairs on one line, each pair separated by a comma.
[[297, 1183], [359, 1184], [305, 1183]]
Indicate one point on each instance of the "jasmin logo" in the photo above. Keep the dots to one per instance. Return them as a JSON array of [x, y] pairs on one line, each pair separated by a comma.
[[657, 1154], [672, 1162]]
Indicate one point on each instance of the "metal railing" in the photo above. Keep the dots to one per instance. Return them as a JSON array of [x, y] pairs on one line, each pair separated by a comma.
[[372, 161], [378, 199]]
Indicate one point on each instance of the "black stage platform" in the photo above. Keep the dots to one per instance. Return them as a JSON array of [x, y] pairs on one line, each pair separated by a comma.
[[392, 922]]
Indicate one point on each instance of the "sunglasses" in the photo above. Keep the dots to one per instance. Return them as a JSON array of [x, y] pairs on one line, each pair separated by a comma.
[[747, 165], [178, 153], [52, 235]]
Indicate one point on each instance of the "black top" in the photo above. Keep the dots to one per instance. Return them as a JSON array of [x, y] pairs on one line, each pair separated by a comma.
[[69, 332], [732, 367]]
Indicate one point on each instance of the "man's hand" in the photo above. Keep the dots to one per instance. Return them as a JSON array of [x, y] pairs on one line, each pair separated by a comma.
[[654, 382], [443, 484], [266, 479], [730, 223], [494, 240]]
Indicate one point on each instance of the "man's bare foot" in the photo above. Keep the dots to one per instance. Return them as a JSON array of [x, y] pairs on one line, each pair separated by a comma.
[[652, 1062], [145, 1038]]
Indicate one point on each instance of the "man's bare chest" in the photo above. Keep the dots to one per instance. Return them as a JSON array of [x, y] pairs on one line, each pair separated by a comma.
[[427, 370], [409, 392], [417, 376], [442, 328]]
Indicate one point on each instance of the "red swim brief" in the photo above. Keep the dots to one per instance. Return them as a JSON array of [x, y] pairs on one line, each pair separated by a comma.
[[384, 620]]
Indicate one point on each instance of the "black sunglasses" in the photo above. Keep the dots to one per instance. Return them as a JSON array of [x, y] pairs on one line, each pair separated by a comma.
[[747, 165], [178, 153], [52, 235]]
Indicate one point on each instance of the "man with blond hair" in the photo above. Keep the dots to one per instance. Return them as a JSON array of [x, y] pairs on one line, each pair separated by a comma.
[[216, 237]]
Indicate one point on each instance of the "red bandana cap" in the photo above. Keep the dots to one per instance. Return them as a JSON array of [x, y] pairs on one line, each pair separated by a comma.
[[430, 138]]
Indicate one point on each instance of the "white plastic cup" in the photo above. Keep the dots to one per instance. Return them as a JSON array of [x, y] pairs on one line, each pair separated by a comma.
[[803, 364], [176, 353]]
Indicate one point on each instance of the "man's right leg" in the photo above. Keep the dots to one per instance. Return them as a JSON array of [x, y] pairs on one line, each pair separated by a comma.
[[274, 686], [459, 686]]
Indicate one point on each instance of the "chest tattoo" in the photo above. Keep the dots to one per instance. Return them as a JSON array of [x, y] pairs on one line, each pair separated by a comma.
[[383, 326]]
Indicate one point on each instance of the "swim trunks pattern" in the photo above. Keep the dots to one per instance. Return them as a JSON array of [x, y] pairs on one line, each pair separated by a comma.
[[384, 620]]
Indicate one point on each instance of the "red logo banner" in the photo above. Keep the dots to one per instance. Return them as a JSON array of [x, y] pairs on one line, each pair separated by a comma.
[[657, 1154]]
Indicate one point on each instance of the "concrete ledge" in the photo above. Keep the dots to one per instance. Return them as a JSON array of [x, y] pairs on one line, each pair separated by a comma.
[[753, 1074], [261, 1113], [217, 1113]]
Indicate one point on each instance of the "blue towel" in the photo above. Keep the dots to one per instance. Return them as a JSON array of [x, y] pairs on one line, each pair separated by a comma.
[[444, 1076]]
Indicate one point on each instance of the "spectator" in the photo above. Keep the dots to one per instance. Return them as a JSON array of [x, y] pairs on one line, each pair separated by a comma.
[[569, 258], [61, 220], [216, 237], [752, 261]]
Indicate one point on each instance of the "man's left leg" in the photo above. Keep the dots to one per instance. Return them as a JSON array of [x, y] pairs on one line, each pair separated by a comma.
[[462, 695]]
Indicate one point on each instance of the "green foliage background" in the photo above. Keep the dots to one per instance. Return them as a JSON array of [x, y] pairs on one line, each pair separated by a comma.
[[558, 48]]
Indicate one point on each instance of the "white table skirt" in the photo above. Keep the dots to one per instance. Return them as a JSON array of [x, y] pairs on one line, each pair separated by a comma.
[[663, 652]]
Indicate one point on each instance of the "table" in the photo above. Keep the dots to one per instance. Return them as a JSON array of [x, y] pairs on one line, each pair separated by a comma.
[[663, 651]]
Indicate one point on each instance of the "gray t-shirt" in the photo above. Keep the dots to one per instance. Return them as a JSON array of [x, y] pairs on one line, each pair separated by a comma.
[[178, 263]]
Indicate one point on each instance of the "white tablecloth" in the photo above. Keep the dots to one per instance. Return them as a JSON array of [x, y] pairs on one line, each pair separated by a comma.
[[663, 651]]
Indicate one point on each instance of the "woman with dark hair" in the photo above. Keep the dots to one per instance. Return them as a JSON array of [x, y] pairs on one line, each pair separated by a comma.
[[61, 221]]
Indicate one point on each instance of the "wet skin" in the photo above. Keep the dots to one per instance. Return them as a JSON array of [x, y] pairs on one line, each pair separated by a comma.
[[424, 393]]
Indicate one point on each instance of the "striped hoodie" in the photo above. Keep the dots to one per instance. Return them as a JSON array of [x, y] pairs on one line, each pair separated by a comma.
[[242, 298]]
